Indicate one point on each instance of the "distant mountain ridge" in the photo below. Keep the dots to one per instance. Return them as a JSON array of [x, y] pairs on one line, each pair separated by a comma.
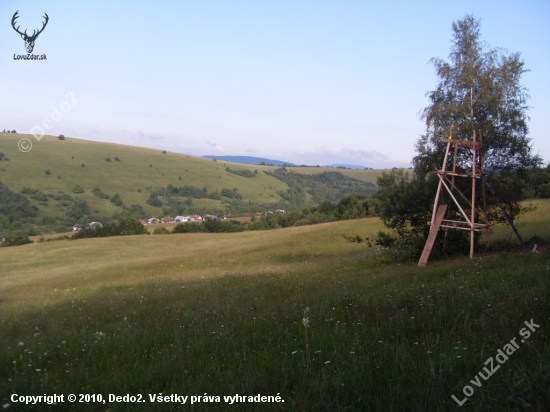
[[252, 160]]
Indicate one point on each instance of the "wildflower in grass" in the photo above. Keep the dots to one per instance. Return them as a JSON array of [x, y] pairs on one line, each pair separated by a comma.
[[6, 405], [327, 362], [99, 335], [20, 343], [295, 352]]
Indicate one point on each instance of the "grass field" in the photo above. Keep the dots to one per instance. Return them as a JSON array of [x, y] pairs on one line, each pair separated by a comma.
[[300, 312]]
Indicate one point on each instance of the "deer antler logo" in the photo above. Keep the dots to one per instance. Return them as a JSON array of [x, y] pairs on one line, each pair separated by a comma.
[[29, 40]]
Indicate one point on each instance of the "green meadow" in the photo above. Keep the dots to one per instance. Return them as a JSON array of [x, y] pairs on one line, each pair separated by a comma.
[[301, 313]]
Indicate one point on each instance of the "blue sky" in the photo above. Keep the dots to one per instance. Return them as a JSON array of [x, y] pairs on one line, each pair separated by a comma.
[[310, 82]]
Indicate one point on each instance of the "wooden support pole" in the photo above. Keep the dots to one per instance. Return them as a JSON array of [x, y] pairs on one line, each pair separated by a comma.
[[473, 219], [433, 234]]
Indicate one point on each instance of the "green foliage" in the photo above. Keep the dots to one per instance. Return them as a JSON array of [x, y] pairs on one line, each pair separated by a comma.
[[61, 137], [242, 172], [35, 194], [478, 94], [222, 226], [78, 189], [77, 210], [405, 206], [154, 200], [99, 193], [117, 159], [136, 211], [2, 155], [108, 159], [53, 239], [330, 186], [478, 90], [189, 227], [116, 199], [126, 227], [544, 191], [48, 172], [16, 241], [538, 180], [15, 210], [161, 231], [231, 194]]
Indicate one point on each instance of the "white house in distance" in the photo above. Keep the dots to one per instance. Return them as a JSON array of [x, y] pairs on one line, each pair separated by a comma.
[[77, 227], [181, 219]]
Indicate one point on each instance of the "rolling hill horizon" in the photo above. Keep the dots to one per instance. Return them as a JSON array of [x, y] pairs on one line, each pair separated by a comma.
[[91, 180]]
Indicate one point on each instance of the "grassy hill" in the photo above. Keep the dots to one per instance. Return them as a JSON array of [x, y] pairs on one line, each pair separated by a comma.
[[300, 312], [55, 167]]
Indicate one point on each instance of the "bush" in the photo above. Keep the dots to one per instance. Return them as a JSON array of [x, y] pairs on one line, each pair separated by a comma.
[[544, 191], [48, 172], [128, 226], [154, 200], [189, 227], [16, 241], [108, 159], [116, 199], [117, 159], [99, 193], [61, 137], [161, 231], [78, 189]]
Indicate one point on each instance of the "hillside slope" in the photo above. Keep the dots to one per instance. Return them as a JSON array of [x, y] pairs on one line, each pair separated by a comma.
[[55, 169]]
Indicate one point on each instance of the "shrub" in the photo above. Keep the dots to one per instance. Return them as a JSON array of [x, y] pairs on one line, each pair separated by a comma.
[[164, 152], [128, 226], [16, 241], [108, 159], [154, 200], [99, 193], [116, 199], [189, 227], [61, 137], [78, 189], [161, 231], [48, 172], [117, 159], [544, 191]]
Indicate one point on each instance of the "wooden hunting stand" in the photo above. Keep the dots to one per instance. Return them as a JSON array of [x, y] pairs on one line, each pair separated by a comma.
[[439, 210]]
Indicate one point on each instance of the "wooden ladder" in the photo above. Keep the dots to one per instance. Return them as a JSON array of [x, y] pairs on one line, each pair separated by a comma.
[[433, 234]]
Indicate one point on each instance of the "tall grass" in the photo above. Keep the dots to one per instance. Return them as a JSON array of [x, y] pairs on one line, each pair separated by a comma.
[[380, 337]]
